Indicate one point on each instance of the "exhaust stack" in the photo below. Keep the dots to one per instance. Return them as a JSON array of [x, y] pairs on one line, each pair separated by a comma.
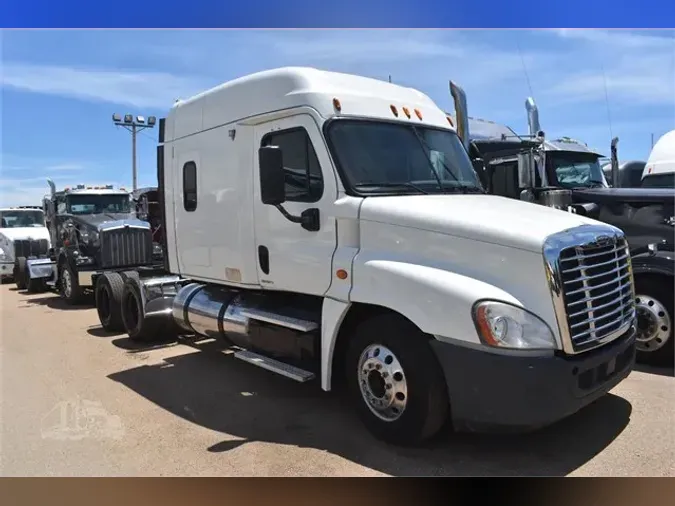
[[532, 117], [461, 114], [52, 187], [615, 164]]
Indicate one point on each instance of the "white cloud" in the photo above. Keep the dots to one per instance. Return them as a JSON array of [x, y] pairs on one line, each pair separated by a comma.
[[632, 67], [616, 39], [138, 89], [426, 57], [64, 167]]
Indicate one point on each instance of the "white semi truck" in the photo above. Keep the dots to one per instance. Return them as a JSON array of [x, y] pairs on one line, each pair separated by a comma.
[[23, 236], [332, 226], [659, 171]]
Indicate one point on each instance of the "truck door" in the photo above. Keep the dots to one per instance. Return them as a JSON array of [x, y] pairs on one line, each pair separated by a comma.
[[289, 257], [192, 239]]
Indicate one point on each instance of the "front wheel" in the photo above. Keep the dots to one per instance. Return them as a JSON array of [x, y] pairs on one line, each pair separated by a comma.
[[20, 273], [33, 285], [654, 304], [70, 288], [395, 381]]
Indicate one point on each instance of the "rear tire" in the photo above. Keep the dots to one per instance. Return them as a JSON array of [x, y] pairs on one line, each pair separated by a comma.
[[109, 287], [654, 299], [20, 273], [395, 381], [139, 328]]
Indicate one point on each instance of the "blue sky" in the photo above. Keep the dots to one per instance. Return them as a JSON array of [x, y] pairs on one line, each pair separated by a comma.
[[60, 88]]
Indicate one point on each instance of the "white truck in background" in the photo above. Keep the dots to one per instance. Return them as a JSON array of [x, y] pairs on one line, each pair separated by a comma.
[[659, 171], [332, 226], [23, 236]]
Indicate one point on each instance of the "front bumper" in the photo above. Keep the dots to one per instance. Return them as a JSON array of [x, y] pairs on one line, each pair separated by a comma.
[[6, 270], [501, 390]]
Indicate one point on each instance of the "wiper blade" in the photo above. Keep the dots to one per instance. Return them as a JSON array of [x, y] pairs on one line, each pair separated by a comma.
[[427, 150], [392, 185], [465, 189]]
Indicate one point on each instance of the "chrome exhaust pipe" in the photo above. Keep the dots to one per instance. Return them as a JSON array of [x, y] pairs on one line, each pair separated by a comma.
[[52, 186], [532, 117], [461, 114], [615, 164]]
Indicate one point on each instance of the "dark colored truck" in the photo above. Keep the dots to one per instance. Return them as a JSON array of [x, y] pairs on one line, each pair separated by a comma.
[[566, 174], [96, 237]]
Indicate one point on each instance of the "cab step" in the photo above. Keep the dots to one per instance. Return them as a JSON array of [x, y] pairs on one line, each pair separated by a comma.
[[270, 364], [289, 322]]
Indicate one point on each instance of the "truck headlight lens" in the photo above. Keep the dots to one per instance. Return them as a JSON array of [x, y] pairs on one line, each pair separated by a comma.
[[505, 326]]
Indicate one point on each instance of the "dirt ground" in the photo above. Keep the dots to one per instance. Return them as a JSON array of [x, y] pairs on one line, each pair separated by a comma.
[[79, 402]]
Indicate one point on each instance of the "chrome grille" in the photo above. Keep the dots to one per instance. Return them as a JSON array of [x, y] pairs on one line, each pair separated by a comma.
[[125, 247], [597, 290], [30, 248]]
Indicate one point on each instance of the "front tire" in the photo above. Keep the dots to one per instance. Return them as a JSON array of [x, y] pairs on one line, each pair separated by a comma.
[[395, 381], [108, 294], [33, 285], [654, 300], [70, 288], [20, 273]]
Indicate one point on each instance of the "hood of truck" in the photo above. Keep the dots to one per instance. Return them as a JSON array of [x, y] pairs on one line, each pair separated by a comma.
[[95, 220], [625, 195], [483, 218], [12, 234]]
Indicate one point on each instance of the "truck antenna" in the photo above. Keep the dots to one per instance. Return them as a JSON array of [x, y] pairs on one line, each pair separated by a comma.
[[609, 116]]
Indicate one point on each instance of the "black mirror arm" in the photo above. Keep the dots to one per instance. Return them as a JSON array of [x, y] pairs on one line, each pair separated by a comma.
[[287, 215], [309, 219]]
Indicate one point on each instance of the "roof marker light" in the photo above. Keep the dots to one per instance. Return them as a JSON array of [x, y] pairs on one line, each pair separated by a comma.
[[394, 110], [419, 114], [337, 105], [406, 112]]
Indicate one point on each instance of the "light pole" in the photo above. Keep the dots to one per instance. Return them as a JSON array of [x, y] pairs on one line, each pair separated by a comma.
[[134, 125]]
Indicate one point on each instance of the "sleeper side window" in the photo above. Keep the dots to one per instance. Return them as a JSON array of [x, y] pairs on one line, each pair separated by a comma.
[[190, 186], [304, 181]]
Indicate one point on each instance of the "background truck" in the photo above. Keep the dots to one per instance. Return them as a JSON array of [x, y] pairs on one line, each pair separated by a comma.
[[331, 226], [23, 236], [659, 171], [629, 174], [95, 237], [566, 174]]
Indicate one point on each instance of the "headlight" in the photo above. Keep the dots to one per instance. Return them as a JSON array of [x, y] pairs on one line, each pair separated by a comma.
[[4, 255], [89, 235], [505, 326]]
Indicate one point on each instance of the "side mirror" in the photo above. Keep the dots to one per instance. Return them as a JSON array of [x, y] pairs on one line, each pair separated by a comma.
[[478, 165], [272, 177], [526, 170]]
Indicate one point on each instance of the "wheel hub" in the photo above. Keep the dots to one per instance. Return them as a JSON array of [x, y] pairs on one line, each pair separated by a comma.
[[653, 323], [382, 382], [67, 284]]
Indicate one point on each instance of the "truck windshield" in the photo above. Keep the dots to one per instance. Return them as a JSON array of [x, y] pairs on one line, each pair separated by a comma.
[[665, 180], [377, 158], [98, 204], [18, 219], [574, 170]]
